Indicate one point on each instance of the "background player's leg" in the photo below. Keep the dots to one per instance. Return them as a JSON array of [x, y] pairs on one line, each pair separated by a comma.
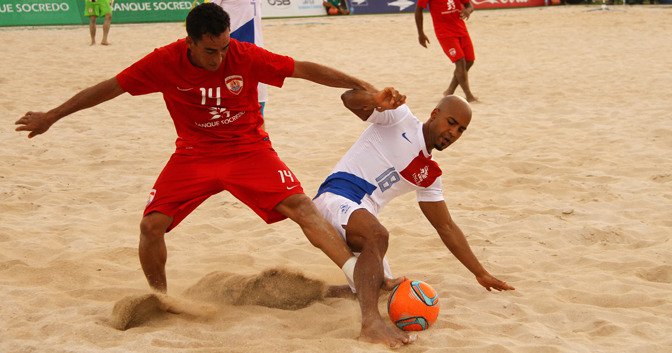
[[461, 75], [106, 29], [92, 29]]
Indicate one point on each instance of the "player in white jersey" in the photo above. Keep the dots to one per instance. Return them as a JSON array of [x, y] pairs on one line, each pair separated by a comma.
[[393, 157]]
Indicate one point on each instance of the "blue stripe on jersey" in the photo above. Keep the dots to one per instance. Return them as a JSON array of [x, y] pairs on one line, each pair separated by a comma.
[[244, 33], [347, 185]]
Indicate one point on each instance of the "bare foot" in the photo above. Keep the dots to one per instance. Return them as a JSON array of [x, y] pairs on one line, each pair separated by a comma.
[[105, 43], [447, 93], [471, 99], [378, 332], [92, 43]]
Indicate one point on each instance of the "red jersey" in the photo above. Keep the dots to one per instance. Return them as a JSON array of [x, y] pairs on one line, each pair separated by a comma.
[[215, 113], [446, 17]]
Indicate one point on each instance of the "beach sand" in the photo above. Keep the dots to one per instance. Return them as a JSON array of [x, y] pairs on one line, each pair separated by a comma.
[[562, 184]]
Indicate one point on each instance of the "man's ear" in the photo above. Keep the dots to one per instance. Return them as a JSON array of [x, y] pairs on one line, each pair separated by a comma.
[[433, 114], [189, 41]]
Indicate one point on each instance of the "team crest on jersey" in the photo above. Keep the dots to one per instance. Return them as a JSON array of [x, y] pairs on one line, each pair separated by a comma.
[[422, 171], [234, 83], [452, 52]]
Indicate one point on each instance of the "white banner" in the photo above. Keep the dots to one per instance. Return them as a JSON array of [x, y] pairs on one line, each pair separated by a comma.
[[291, 8]]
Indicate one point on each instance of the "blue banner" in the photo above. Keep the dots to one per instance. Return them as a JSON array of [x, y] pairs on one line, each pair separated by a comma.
[[358, 7]]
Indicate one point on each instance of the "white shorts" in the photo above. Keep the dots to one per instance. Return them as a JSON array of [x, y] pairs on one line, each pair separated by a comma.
[[336, 210]]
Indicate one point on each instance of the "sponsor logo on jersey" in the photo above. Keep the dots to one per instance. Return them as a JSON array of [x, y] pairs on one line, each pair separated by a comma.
[[421, 175], [234, 83], [344, 208], [403, 134]]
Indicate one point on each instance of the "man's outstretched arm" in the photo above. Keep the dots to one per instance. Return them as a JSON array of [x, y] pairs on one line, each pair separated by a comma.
[[328, 76], [452, 236], [39, 122]]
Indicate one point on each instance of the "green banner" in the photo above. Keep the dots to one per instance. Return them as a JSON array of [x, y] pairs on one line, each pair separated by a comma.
[[138, 11], [40, 12], [71, 12]]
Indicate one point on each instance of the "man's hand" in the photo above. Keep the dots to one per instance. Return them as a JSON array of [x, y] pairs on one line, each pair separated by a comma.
[[389, 98], [422, 38], [35, 122], [488, 281], [466, 12]]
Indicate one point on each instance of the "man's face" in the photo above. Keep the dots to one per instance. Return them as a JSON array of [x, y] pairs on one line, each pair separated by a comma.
[[446, 128], [209, 52]]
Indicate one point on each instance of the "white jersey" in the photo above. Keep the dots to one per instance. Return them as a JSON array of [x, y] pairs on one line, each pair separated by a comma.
[[245, 18], [389, 159]]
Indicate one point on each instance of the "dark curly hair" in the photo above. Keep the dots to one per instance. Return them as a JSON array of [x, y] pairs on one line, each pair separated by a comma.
[[207, 18]]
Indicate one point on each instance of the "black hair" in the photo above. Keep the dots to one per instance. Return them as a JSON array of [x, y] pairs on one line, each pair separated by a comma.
[[207, 18]]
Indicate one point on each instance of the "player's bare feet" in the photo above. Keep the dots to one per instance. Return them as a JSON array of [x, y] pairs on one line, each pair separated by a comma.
[[105, 43], [472, 99], [93, 43], [376, 331]]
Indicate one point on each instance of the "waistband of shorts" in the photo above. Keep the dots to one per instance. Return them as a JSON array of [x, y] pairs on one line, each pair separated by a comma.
[[347, 185]]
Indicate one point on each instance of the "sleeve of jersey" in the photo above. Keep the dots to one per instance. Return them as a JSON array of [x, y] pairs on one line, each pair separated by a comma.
[[390, 117], [141, 77], [272, 68], [431, 193]]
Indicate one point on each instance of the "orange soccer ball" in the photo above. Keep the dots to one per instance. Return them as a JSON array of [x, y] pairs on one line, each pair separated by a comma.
[[413, 305], [333, 11]]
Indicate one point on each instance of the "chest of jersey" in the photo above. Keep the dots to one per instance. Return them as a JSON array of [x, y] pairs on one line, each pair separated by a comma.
[[392, 159]]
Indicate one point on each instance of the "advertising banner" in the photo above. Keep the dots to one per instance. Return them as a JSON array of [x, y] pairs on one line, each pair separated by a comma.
[[71, 12], [358, 7], [138, 11], [291, 8], [500, 4], [39, 12]]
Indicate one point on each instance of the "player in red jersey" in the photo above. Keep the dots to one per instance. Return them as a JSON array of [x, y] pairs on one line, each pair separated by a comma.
[[448, 17], [209, 83]]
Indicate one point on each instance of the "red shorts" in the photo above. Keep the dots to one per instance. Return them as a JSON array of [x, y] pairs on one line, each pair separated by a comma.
[[259, 179], [458, 47]]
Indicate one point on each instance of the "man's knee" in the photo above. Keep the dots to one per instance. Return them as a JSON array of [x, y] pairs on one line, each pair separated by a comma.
[[378, 237], [375, 238], [154, 226]]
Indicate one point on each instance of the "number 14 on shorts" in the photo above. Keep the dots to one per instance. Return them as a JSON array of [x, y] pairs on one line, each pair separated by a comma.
[[286, 175]]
